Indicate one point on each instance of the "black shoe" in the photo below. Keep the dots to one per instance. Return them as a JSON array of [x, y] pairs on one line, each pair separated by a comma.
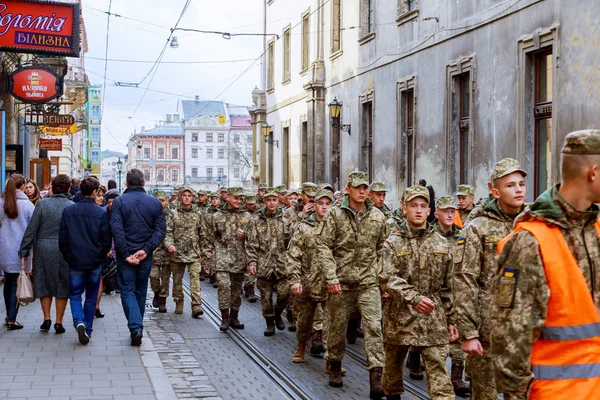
[[136, 338], [58, 328], [82, 334], [46, 325], [99, 314], [13, 326], [292, 328]]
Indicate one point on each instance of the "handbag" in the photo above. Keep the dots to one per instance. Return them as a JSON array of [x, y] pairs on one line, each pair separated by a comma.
[[109, 267], [24, 286]]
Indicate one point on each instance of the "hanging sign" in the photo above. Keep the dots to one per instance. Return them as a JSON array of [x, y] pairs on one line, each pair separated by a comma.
[[59, 130], [40, 27], [51, 144], [58, 120], [222, 119], [34, 84]]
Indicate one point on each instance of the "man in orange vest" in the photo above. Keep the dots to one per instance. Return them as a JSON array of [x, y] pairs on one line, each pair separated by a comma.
[[546, 296], [465, 196]]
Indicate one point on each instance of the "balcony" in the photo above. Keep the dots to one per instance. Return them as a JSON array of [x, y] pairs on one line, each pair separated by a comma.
[[206, 179]]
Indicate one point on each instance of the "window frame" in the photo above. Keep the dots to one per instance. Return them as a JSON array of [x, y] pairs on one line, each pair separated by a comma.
[[286, 45], [271, 66], [221, 137], [194, 152], [209, 172], [174, 148], [407, 131], [174, 175], [221, 153], [209, 152], [209, 137], [367, 21], [405, 13], [194, 172], [305, 46], [336, 5]]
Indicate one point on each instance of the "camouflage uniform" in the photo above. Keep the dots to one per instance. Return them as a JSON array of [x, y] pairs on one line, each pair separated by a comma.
[[249, 279], [476, 257], [160, 274], [395, 220], [347, 249], [281, 189], [417, 264], [465, 190], [477, 210]]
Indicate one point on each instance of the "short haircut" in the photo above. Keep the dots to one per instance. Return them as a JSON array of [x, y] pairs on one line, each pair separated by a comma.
[[112, 184], [135, 177], [422, 182], [61, 184], [88, 185], [75, 182]]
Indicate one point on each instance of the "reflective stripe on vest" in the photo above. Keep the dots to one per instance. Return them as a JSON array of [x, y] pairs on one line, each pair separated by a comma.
[[565, 360]]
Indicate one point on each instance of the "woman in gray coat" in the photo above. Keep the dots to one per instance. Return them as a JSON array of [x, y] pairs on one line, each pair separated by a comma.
[[50, 270]]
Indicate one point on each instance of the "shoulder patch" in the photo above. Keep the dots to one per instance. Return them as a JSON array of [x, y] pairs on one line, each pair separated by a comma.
[[459, 251], [506, 291]]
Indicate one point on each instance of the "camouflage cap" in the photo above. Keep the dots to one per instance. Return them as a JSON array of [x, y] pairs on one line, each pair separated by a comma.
[[416, 191], [324, 193], [224, 189], [236, 191], [281, 189], [250, 198], [327, 186], [183, 189], [213, 194], [201, 192], [358, 178], [262, 186], [270, 193], [377, 187], [309, 188], [584, 142], [294, 191], [506, 167], [465, 190], [160, 195], [177, 188], [445, 202]]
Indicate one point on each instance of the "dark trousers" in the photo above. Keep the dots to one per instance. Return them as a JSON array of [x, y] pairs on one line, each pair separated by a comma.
[[87, 280], [10, 295], [133, 281]]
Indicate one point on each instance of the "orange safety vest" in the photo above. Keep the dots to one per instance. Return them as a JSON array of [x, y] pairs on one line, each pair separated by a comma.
[[565, 360], [457, 220]]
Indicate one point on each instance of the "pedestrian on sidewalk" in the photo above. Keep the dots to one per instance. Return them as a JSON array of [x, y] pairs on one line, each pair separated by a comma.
[[84, 239], [138, 225], [51, 277], [100, 202], [15, 213]]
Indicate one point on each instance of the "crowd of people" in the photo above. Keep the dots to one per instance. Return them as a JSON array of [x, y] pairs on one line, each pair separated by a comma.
[[436, 278]]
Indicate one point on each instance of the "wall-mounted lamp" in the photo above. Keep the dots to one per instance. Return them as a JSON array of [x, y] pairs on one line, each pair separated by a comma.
[[335, 108], [266, 130]]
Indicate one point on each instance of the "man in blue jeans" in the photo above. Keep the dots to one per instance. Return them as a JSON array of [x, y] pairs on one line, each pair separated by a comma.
[[84, 239], [138, 226]]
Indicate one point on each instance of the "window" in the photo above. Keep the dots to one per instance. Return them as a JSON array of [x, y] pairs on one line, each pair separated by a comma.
[[542, 111], [209, 137], [287, 37], [174, 152], [366, 133], [236, 154], [220, 172], [406, 131], [209, 172], [271, 66], [146, 152], [236, 172], [221, 153], [464, 86], [221, 137], [174, 175], [336, 26], [194, 137], [209, 153], [194, 172], [303, 150], [95, 133], [95, 156], [236, 138], [285, 155], [147, 175], [305, 41], [160, 175], [95, 111], [194, 153], [405, 6], [367, 18], [161, 153]]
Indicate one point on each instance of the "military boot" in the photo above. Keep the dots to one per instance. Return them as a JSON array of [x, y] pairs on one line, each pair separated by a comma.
[[351, 333], [202, 275], [316, 347], [252, 296], [270, 331], [456, 373], [289, 314], [155, 300], [413, 363], [335, 374], [279, 321], [213, 280], [224, 327], [299, 353], [162, 305], [197, 311], [327, 369], [179, 307], [234, 322], [376, 390]]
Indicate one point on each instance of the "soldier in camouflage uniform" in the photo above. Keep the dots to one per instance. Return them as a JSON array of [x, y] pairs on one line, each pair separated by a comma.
[[397, 217], [261, 195], [306, 277], [249, 279], [281, 191], [292, 197], [266, 259], [465, 196], [478, 208], [377, 193], [186, 241], [445, 213], [417, 276], [521, 293], [230, 227], [354, 228], [160, 274], [202, 198], [476, 257]]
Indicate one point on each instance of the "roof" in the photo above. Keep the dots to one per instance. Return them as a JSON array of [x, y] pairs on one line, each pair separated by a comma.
[[170, 129], [194, 109], [237, 110], [240, 121]]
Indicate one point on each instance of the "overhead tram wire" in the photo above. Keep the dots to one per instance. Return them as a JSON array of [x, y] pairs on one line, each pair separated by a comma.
[[106, 61], [170, 62]]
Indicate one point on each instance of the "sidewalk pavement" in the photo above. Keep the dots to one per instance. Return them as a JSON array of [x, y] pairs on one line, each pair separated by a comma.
[[39, 365]]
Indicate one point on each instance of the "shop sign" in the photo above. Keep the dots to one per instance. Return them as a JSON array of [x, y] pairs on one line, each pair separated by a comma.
[[59, 130], [34, 85], [58, 120], [40, 27], [51, 144]]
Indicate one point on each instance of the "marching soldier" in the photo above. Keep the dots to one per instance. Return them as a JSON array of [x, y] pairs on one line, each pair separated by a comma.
[[355, 227], [281, 191], [202, 199], [479, 206], [546, 298], [397, 217], [266, 259], [249, 279], [261, 195], [186, 242], [292, 197], [417, 276], [377, 193], [306, 278], [229, 229], [476, 257], [160, 274], [215, 202], [465, 196]]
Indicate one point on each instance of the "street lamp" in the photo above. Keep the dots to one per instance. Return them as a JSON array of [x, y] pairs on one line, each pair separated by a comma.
[[335, 108], [266, 130], [119, 168]]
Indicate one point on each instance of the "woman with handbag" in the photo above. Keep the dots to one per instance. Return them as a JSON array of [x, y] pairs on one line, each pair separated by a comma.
[[51, 275], [15, 213]]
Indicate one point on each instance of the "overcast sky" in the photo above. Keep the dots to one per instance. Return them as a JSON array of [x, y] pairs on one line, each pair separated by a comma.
[[132, 40]]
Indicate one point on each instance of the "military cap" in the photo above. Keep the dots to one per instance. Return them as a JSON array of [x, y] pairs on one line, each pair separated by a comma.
[[506, 167], [262, 186], [270, 193], [281, 189], [465, 190], [201, 192], [294, 191], [160, 195], [445, 202], [213, 194], [358, 178], [377, 187], [236, 191], [309, 188], [177, 188], [224, 189], [416, 191], [327, 186], [324, 193], [186, 189], [250, 198], [584, 142]]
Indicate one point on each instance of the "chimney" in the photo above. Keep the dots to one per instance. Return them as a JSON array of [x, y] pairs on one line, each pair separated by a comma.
[[169, 117], [175, 117], [197, 97]]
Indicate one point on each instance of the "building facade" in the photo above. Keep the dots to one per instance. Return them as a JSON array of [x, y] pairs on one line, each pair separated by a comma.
[[93, 151], [438, 91]]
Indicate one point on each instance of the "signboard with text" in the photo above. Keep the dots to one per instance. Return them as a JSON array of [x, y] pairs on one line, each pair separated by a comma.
[[34, 85], [40, 27], [51, 144]]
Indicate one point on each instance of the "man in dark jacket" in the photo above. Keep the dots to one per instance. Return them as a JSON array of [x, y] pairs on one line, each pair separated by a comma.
[[139, 226], [84, 239]]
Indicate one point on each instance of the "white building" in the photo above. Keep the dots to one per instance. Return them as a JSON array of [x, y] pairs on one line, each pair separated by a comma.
[[110, 171]]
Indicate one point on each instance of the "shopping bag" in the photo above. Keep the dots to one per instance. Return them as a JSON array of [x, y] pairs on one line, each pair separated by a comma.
[[24, 286]]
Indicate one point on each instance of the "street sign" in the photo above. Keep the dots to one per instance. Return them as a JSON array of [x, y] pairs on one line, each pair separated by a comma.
[[58, 120], [222, 119], [51, 144], [34, 85]]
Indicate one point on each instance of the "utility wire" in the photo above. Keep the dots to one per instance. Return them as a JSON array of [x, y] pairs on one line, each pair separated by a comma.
[[106, 61], [169, 62]]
